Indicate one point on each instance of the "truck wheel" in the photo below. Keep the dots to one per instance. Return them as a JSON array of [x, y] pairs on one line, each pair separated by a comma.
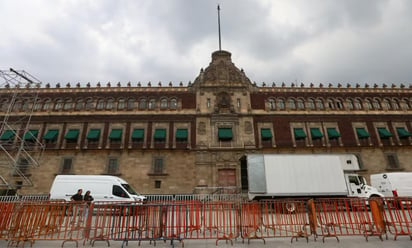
[[290, 207]]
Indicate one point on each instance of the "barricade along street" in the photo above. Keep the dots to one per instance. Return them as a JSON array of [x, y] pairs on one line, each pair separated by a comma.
[[180, 221]]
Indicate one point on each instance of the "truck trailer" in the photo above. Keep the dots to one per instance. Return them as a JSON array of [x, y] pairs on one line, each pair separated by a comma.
[[393, 184], [273, 176]]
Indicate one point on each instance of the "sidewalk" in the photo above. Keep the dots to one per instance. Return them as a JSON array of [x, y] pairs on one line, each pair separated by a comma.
[[345, 242]]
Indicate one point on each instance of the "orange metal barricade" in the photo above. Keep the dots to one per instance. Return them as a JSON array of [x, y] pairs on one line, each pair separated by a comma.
[[345, 217], [397, 214]]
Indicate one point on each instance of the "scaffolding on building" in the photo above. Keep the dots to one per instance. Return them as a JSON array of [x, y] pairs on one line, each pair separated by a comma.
[[20, 149]]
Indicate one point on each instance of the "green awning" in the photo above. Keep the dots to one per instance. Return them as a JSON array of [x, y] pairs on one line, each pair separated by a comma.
[[31, 135], [72, 134], [265, 134], [225, 133], [160, 134], [181, 134], [384, 133], [299, 133], [138, 134], [332, 133], [403, 133], [8, 135], [93, 134], [362, 134], [316, 133], [116, 134], [51, 135]]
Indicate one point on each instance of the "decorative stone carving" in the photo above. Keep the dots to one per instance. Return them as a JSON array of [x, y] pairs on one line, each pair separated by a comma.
[[202, 128]]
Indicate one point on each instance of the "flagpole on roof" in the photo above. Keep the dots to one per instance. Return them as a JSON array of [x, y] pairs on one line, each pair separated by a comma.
[[218, 24]]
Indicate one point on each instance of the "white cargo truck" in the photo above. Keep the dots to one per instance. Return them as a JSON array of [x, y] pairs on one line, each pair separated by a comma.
[[102, 188], [393, 184], [273, 176]]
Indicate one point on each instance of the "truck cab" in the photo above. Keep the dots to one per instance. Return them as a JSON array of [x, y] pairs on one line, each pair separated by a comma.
[[357, 187]]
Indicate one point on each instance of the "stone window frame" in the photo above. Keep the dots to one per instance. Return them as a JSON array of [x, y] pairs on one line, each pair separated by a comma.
[[112, 127], [291, 103], [152, 104], [69, 127], [68, 104], [101, 104], [377, 125], [403, 125], [138, 126], [58, 104], [161, 125], [182, 126], [300, 103], [319, 103], [319, 126], [173, 103], [363, 125], [280, 103], [327, 125], [349, 104], [109, 166], [66, 161], [392, 157], [358, 104], [266, 125], [302, 125], [387, 104], [110, 104], [368, 104], [131, 104], [143, 103], [163, 103], [271, 104], [331, 103], [89, 104], [395, 104], [311, 104], [121, 104], [60, 133], [376, 103], [94, 126]]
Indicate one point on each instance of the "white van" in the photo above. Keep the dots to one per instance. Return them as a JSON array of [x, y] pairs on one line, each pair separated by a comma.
[[102, 188], [393, 183]]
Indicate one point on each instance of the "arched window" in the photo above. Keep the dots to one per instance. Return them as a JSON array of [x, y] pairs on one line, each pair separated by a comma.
[[25, 105], [405, 104], [142, 103], [291, 103], [37, 105], [47, 105], [395, 104], [319, 104], [368, 104], [339, 104], [68, 104], [281, 104], [100, 104], [59, 105], [311, 104], [79, 104], [130, 104], [152, 104], [349, 103], [300, 104], [271, 104], [376, 104], [331, 104], [387, 104], [89, 104], [121, 104], [163, 103], [358, 104], [17, 106], [173, 103], [109, 104], [5, 105]]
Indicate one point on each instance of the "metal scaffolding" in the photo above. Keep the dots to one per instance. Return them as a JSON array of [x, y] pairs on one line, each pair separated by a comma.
[[20, 150]]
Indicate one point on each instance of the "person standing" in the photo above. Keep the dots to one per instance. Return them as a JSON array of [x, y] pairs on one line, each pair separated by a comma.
[[88, 199], [78, 196]]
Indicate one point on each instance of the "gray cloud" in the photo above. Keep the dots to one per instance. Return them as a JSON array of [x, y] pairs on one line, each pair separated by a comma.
[[170, 40]]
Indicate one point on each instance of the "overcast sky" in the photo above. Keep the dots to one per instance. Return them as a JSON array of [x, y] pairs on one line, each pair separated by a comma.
[[319, 41]]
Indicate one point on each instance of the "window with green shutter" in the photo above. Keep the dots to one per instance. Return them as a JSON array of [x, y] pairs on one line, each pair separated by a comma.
[[332, 133], [225, 134], [160, 135], [299, 134], [316, 133], [138, 135], [362, 133], [403, 133], [266, 134], [384, 133], [181, 135]]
